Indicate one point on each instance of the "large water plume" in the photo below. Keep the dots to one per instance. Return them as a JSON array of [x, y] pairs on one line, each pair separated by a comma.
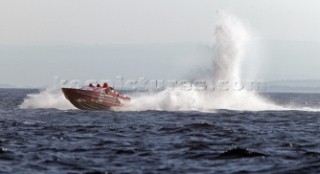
[[229, 49], [230, 38]]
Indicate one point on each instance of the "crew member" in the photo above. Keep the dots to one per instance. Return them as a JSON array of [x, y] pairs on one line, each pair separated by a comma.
[[107, 87]]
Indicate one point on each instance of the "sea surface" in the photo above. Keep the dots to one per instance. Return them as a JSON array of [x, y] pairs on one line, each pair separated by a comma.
[[222, 141]]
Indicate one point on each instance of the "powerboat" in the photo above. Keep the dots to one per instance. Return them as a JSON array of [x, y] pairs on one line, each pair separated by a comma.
[[95, 97]]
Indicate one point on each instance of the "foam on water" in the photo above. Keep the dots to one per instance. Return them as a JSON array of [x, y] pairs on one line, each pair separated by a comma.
[[180, 100], [48, 98]]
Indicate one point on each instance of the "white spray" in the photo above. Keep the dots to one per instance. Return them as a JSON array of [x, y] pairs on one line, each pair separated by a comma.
[[48, 98], [229, 49], [230, 38]]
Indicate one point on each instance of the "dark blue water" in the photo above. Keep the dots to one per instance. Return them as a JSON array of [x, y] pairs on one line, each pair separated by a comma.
[[75, 141]]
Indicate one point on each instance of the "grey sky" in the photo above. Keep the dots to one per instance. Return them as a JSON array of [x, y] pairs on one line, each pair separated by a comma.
[[114, 21], [26, 27]]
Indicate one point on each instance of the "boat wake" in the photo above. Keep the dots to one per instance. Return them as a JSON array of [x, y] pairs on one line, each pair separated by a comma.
[[180, 100], [47, 98]]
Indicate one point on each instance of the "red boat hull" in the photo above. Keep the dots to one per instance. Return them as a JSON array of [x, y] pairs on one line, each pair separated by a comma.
[[97, 99]]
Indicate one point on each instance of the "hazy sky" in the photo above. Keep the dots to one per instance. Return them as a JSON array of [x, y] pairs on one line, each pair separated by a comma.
[[26, 27], [114, 21]]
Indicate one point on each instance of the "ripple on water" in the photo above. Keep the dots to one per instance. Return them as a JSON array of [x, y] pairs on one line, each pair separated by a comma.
[[53, 141]]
